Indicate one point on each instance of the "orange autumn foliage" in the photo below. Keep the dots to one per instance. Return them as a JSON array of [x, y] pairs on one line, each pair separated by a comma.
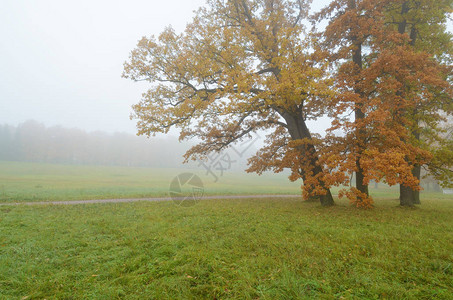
[[357, 198], [381, 84]]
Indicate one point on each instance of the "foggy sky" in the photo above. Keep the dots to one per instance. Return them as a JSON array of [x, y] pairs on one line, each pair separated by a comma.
[[61, 61]]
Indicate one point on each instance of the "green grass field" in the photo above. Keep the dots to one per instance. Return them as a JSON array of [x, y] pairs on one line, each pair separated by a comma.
[[21, 182], [226, 249], [217, 249], [28, 182]]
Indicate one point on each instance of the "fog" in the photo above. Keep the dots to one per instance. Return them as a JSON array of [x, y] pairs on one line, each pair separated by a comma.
[[61, 61], [32, 141]]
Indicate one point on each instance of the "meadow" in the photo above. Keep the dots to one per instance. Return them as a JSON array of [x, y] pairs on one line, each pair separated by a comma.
[[24, 182], [30, 182], [226, 249], [218, 249]]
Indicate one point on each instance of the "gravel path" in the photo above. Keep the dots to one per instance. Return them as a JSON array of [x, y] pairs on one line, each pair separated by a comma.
[[145, 199]]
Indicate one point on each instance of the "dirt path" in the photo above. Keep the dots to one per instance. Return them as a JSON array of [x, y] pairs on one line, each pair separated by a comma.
[[145, 199]]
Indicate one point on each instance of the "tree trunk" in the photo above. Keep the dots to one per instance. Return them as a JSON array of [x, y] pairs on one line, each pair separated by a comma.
[[406, 196], [361, 133], [327, 199], [360, 182], [417, 169], [298, 130], [417, 173], [409, 196], [359, 115]]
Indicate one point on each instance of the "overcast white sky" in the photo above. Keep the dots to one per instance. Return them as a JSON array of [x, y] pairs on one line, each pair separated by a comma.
[[61, 61]]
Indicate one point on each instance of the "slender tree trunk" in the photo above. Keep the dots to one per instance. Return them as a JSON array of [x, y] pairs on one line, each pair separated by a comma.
[[358, 111], [408, 196], [360, 176], [417, 170], [361, 133], [402, 25], [417, 173]]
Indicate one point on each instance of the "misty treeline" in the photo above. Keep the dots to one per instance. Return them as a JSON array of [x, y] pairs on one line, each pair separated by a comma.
[[32, 141]]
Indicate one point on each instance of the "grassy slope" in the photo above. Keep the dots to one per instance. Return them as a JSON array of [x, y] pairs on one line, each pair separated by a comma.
[[20, 181], [267, 249]]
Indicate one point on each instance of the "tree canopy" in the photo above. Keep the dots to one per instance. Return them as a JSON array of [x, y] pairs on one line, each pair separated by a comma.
[[243, 66]]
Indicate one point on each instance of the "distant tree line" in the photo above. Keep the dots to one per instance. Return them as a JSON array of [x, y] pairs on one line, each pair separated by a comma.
[[32, 141]]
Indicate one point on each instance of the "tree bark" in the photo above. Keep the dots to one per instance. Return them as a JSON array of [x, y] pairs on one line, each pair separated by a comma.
[[298, 130], [417, 170], [327, 199], [359, 115], [417, 173], [408, 196]]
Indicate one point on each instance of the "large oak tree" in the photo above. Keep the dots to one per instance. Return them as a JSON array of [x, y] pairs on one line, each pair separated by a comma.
[[239, 67]]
